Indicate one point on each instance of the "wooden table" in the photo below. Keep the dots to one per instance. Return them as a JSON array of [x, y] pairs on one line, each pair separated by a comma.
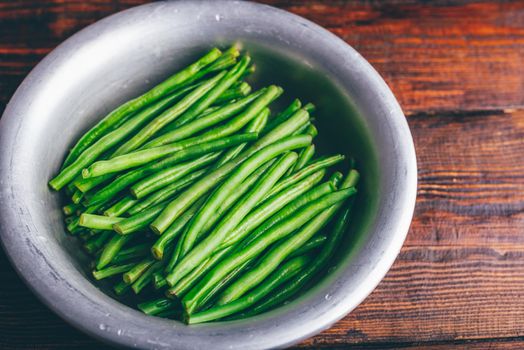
[[458, 72]]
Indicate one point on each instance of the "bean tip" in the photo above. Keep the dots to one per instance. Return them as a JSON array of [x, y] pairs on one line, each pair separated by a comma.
[[54, 185], [157, 253], [118, 229], [86, 173], [155, 229]]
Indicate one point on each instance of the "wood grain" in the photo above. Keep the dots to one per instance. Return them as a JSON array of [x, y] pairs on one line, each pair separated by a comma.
[[471, 179], [457, 70], [435, 57]]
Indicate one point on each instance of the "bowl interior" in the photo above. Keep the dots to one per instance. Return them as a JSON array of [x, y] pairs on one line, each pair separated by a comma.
[[124, 55], [340, 129]]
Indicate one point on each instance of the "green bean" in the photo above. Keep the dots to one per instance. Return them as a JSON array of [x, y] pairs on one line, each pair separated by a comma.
[[286, 212], [303, 129], [111, 249], [257, 106], [138, 251], [158, 280], [229, 79], [230, 200], [85, 185], [226, 60], [284, 115], [156, 306], [223, 283], [185, 284], [172, 232], [193, 299], [283, 274], [111, 271], [77, 197], [182, 150], [243, 207], [210, 91], [320, 260], [204, 121], [167, 192], [195, 232], [105, 143], [256, 125], [99, 222], [175, 255], [278, 254], [138, 269], [232, 94], [169, 115], [121, 206], [310, 245], [123, 181], [69, 219], [73, 225], [269, 207], [146, 277], [181, 248], [312, 130], [273, 205], [97, 242], [139, 221], [167, 176], [135, 104], [121, 288], [175, 208], [336, 178], [305, 156], [321, 163], [70, 208], [310, 108], [70, 187]]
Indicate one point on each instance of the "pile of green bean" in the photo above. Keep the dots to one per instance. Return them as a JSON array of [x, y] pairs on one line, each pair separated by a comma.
[[198, 203]]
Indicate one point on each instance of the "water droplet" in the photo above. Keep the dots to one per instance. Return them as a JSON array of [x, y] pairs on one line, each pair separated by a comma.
[[119, 332], [217, 17], [327, 297], [102, 327]]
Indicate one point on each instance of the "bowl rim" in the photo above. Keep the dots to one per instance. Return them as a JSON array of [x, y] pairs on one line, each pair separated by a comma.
[[12, 239]]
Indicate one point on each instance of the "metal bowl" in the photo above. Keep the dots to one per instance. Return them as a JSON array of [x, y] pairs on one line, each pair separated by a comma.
[[119, 57]]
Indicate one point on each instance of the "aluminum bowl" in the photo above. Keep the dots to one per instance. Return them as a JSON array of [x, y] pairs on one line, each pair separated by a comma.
[[120, 56]]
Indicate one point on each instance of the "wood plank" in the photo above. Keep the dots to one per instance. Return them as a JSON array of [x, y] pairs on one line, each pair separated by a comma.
[[439, 294], [492, 344], [456, 56], [432, 294], [471, 179], [25, 323], [459, 279], [466, 56]]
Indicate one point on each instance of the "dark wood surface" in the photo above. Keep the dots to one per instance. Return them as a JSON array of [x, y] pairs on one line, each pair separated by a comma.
[[457, 69]]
